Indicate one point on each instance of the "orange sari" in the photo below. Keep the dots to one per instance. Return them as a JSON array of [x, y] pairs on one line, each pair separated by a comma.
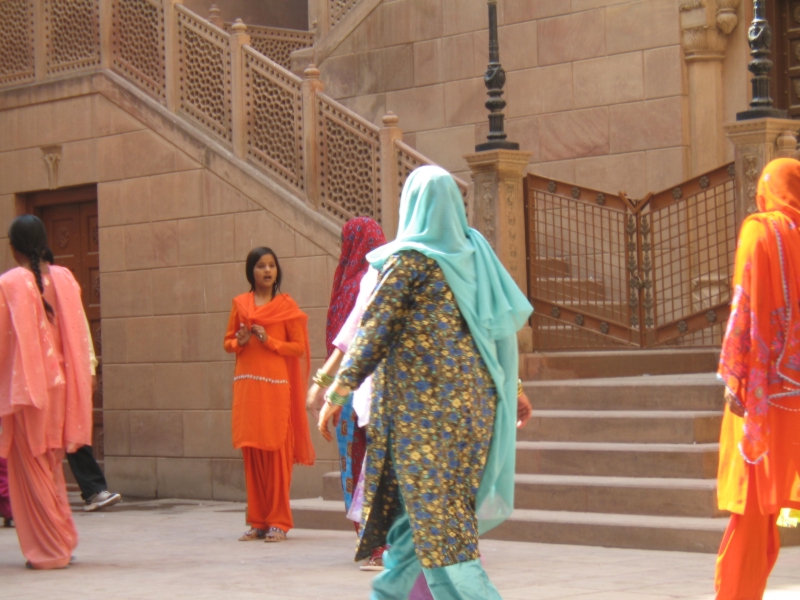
[[269, 411], [759, 467], [46, 406]]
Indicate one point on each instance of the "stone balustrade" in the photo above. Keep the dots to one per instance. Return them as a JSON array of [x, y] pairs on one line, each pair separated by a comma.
[[216, 76]]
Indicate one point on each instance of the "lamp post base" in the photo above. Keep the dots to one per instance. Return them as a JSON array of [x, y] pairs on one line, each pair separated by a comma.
[[496, 145], [762, 113]]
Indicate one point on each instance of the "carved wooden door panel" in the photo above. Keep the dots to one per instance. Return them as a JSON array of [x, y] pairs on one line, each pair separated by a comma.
[[72, 230], [784, 16]]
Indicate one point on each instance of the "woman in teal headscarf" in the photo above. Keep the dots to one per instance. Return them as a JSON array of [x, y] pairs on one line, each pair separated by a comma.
[[440, 336]]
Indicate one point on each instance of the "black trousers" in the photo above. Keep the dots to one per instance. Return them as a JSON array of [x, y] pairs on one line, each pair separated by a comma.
[[87, 472]]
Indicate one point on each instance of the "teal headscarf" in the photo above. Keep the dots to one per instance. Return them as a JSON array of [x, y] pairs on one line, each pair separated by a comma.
[[434, 223]]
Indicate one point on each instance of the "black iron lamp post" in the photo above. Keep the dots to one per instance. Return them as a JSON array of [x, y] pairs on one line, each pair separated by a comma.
[[760, 38], [495, 79]]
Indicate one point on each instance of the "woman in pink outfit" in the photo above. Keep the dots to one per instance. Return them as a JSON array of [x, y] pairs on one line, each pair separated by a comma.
[[45, 393]]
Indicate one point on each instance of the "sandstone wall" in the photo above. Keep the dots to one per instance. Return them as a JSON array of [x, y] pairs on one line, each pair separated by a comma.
[[175, 225], [596, 89], [289, 14]]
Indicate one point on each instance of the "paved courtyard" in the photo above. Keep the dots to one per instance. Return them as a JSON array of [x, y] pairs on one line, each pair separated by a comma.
[[185, 549]]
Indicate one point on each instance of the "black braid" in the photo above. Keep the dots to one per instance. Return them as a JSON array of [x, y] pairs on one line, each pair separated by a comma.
[[37, 273]]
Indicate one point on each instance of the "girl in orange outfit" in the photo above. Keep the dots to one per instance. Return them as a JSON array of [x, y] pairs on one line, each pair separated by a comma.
[[45, 393], [759, 470], [269, 334]]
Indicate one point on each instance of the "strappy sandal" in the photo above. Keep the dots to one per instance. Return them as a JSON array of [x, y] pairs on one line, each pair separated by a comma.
[[253, 535], [275, 535]]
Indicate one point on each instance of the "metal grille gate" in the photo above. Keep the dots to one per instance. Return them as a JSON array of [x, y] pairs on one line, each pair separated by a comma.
[[606, 271]]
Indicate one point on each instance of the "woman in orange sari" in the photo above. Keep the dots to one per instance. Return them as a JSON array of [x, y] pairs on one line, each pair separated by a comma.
[[45, 393], [269, 334], [759, 470]]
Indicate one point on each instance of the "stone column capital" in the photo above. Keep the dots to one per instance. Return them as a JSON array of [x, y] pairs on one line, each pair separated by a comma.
[[756, 142], [705, 25]]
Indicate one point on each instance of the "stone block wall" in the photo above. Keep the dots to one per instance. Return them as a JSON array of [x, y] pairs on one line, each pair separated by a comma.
[[595, 88], [174, 232]]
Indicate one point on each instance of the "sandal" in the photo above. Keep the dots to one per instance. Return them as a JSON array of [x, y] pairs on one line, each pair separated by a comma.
[[253, 535], [275, 535], [374, 562]]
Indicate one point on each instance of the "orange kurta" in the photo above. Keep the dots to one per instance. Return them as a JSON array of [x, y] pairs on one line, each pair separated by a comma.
[[269, 417], [759, 467], [45, 401]]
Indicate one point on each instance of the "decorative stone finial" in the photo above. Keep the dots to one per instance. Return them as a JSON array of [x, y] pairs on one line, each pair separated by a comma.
[[239, 26], [215, 16], [311, 72], [390, 119]]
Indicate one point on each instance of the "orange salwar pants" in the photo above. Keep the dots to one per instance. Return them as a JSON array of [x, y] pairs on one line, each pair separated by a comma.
[[42, 514], [268, 476], [748, 552]]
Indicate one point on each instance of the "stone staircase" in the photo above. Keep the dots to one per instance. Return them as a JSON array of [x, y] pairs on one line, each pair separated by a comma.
[[625, 461]]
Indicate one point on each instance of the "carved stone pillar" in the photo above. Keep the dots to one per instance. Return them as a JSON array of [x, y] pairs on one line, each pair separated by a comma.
[[171, 43], [310, 88], [499, 213], [705, 25], [756, 142], [390, 190], [239, 37]]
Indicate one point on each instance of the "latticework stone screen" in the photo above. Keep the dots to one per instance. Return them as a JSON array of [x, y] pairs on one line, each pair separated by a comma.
[[138, 43], [204, 70], [274, 113], [16, 41], [72, 32]]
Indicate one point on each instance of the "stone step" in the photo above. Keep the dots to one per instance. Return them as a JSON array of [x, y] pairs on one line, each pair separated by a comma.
[[332, 486], [621, 495], [581, 493], [682, 534], [686, 534], [693, 392], [645, 427], [616, 363], [574, 288], [683, 461]]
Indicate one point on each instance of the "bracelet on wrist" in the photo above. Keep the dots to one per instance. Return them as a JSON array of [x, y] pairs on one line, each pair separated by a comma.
[[337, 399], [520, 391], [322, 379]]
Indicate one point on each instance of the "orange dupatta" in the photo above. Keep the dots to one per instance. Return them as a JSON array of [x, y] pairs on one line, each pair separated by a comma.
[[760, 360], [281, 309]]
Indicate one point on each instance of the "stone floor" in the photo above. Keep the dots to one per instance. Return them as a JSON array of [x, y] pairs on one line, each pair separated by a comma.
[[183, 549]]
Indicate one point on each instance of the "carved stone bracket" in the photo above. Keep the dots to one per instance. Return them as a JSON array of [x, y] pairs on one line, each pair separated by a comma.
[[52, 156], [705, 25]]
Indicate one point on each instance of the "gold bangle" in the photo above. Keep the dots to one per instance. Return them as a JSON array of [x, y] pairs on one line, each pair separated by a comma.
[[520, 391]]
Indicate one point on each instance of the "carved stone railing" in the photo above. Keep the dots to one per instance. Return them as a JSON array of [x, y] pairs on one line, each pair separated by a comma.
[[277, 44], [214, 77]]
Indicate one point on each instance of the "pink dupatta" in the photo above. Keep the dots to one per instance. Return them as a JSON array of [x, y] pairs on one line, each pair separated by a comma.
[[29, 367]]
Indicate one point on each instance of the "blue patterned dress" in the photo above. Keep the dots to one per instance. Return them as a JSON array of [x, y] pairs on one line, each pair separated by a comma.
[[432, 413]]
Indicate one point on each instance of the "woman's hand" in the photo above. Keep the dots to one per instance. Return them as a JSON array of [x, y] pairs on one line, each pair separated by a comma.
[[329, 412], [315, 397], [243, 335], [734, 405], [260, 333], [524, 410]]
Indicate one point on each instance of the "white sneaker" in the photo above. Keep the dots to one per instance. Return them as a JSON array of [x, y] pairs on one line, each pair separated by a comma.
[[101, 500]]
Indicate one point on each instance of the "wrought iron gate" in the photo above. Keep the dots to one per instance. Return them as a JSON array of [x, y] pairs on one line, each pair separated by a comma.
[[607, 271]]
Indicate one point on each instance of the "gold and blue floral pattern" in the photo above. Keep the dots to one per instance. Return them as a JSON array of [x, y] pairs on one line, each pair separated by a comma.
[[432, 416]]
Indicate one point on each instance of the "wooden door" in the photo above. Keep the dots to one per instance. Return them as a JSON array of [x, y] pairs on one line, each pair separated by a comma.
[[784, 17], [70, 217]]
